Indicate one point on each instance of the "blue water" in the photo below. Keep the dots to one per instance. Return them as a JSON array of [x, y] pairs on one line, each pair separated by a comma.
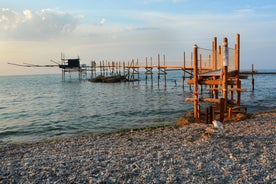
[[40, 107]]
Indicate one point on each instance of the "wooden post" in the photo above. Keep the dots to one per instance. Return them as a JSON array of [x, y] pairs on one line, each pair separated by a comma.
[[237, 67], [200, 70], [222, 105], [211, 114], [184, 73], [252, 78], [124, 68], [215, 53], [191, 58], [237, 53], [239, 93], [137, 70], [190, 86], [225, 71], [209, 61], [219, 64], [146, 70], [164, 70], [196, 97], [151, 70], [158, 69], [200, 62], [101, 68]]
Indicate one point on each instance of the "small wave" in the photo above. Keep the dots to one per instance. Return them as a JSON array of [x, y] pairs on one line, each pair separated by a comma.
[[9, 133]]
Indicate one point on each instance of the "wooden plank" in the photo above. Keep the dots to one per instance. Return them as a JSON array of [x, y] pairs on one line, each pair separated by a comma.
[[229, 89], [243, 77], [210, 100], [205, 82], [189, 99]]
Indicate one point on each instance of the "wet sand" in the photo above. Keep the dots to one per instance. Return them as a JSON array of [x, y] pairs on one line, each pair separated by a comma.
[[196, 153]]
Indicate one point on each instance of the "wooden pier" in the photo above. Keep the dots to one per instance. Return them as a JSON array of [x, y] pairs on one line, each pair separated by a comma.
[[215, 70]]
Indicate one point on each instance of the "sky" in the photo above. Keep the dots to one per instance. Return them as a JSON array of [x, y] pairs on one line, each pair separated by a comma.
[[39, 31]]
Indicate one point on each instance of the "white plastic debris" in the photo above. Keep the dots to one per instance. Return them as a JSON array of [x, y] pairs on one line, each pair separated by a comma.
[[218, 125]]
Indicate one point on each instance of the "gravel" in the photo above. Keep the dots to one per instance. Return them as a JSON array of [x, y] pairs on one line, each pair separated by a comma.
[[196, 153]]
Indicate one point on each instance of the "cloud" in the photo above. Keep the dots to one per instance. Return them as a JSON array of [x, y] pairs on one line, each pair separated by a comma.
[[42, 25], [9, 20], [103, 21]]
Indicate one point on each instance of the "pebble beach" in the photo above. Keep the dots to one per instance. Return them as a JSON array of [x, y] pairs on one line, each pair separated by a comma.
[[195, 153]]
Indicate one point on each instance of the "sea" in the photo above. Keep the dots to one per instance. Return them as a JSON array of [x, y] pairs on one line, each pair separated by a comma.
[[44, 107]]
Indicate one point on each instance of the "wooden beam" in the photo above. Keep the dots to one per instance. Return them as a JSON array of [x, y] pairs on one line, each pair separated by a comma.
[[229, 89], [205, 82], [208, 100]]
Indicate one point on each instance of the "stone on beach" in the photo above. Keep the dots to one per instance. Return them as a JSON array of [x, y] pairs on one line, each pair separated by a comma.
[[246, 154]]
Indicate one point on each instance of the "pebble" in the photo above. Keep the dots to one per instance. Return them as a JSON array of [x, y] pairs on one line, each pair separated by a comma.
[[246, 154]]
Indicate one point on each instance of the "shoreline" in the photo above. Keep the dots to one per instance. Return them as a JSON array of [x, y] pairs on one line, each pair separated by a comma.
[[246, 153]]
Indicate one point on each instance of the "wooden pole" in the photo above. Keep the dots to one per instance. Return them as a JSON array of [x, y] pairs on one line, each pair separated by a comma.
[[124, 68], [146, 69], [237, 53], [237, 67], [164, 70], [196, 97], [211, 114], [225, 71], [222, 110], [190, 86], [200, 70], [215, 57], [191, 58], [239, 93], [137, 70], [219, 64], [252, 78], [158, 69], [151, 70], [184, 73]]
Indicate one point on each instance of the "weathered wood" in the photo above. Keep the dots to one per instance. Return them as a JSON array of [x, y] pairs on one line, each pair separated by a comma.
[[229, 89], [208, 100], [252, 78], [222, 109], [196, 97], [206, 82], [225, 71], [237, 53], [215, 58]]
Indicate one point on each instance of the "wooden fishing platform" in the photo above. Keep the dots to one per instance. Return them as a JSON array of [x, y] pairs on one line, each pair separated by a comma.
[[218, 69], [224, 82], [215, 70]]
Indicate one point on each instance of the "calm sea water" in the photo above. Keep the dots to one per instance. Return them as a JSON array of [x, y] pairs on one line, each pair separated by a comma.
[[39, 107]]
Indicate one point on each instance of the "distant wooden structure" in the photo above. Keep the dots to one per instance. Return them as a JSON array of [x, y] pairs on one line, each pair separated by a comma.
[[73, 65]]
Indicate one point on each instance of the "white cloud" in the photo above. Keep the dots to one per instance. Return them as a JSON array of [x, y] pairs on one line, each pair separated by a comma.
[[103, 21], [9, 20], [28, 14], [41, 25]]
